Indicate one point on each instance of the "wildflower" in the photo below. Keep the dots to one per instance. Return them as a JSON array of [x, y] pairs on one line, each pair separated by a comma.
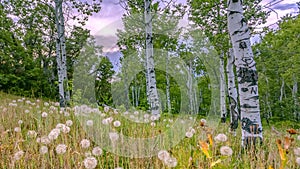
[[59, 126], [113, 136], [146, 116], [43, 150], [205, 147], [282, 152], [105, 121], [56, 104], [54, 134], [106, 109], [69, 123], [298, 160], [189, 134], [153, 118], [116, 111], [226, 151], [298, 138], [31, 133], [45, 140], [126, 112], [171, 162], [192, 130], [220, 138], [97, 151], [90, 162], [65, 129], [110, 119], [135, 112], [152, 124], [46, 104], [44, 114], [61, 148], [89, 123], [20, 122], [292, 131], [18, 155], [118, 168], [117, 123], [202, 122], [17, 129], [85, 143], [163, 154], [297, 151], [26, 111]]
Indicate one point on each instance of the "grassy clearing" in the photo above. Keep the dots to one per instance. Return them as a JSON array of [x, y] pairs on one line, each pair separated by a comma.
[[26, 124]]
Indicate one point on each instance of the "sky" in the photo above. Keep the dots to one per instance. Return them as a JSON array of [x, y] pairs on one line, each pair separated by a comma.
[[104, 25]]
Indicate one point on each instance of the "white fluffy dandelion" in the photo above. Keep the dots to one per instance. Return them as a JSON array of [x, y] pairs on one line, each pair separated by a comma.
[[298, 138], [54, 134], [69, 123], [20, 122], [117, 123], [106, 109], [171, 162], [298, 160], [31, 134], [113, 136], [163, 154], [46, 104], [17, 129], [97, 151], [220, 138], [45, 140], [85, 143], [226, 151], [297, 151], [43, 150], [44, 114], [61, 148], [89, 123], [18, 155], [189, 134], [90, 162]]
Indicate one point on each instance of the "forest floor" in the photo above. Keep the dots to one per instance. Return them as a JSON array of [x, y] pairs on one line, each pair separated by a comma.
[[36, 133]]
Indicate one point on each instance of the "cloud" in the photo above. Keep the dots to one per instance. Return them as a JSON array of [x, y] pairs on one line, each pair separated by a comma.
[[284, 7], [108, 42]]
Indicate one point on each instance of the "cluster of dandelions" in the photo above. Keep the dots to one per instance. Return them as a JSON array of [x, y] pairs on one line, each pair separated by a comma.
[[167, 159]]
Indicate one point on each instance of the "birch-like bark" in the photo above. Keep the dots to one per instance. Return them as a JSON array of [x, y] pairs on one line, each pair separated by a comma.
[[222, 90], [281, 90], [63, 52], [246, 73], [295, 97], [151, 83], [58, 55], [168, 85], [232, 93]]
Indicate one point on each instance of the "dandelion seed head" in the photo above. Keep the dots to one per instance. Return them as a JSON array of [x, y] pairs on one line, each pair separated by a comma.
[[97, 151], [54, 134], [297, 151], [45, 140], [163, 154], [106, 109], [18, 155], [17, 129], [90, 162], [85, 143], [61, 148], [171, 162], [69, 123], [117, 123], [221, 138], [298, 161], [113, 136], [43, 150], [31, 134], [20, 122], [89, 123], [44, 114], [189, 134], [226, 151]]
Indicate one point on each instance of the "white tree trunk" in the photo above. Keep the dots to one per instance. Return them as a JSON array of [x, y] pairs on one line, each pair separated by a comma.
[[232, 93], [168, 85], [151, 82], [58, 55], [63, 51], [246, 73], [295, 97], [222, 90], [281, 90]]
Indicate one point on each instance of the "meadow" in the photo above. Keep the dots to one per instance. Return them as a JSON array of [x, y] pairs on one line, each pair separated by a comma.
[[36, 133]]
